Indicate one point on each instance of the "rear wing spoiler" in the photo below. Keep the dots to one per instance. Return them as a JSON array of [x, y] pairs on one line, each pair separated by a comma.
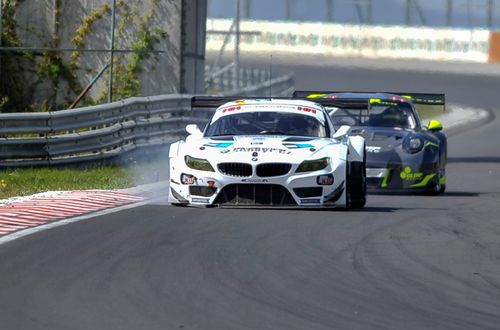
[[212, 101], [216, 101], [416, 98], [423, 102]]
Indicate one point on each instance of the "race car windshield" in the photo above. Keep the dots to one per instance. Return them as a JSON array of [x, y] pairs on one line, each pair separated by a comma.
[[401, 116], [267, 123]]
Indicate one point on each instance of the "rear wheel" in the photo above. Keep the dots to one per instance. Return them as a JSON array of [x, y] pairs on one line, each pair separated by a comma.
[[357, 184]]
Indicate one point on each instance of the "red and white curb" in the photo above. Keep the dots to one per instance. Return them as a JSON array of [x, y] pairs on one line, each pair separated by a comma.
[[20, 213]]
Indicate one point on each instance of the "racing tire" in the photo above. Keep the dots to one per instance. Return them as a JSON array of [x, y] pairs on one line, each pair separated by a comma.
[[357, 184], [437, 188], [347, 188], [443, 189]]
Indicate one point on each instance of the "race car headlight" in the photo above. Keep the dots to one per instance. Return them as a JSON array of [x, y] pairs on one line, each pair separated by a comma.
[[413, 144], [313, 165], [198, 164]]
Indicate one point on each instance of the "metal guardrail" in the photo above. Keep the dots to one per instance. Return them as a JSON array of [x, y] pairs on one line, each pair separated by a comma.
[[104, 132]]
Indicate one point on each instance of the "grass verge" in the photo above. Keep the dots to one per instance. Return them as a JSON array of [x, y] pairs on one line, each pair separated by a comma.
[[27, 181]]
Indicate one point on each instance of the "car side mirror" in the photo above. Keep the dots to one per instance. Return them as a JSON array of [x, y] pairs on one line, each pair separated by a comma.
[[434, 125], [192, 129], [343, 130]]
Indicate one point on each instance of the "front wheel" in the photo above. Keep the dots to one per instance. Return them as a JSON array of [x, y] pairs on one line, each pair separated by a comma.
[[439, 183], [439, 186], [357, 184]]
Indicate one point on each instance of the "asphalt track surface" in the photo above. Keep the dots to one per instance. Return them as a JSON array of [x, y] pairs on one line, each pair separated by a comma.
[[403, 262]]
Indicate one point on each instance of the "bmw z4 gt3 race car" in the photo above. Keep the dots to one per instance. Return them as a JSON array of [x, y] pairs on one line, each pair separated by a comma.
[[402, 155], [270, 153]]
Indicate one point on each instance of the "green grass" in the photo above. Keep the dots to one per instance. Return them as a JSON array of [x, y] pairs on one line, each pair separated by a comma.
[[22, 182]]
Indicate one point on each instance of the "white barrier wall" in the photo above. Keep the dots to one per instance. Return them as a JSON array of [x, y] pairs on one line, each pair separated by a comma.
[[356, 40]]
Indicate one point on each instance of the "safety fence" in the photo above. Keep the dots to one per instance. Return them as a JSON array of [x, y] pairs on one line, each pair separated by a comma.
[[425, 43], [105, 132]]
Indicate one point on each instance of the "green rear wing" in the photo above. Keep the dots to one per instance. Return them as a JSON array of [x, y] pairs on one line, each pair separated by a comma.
[[425, 103]]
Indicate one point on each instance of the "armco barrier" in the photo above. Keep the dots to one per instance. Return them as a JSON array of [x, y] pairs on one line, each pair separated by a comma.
[[103, 132], [473, 45]]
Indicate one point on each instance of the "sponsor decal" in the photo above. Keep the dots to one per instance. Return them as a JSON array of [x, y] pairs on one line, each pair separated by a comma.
[[218, 144], [310, 201], [188, 179], [314, 96], [200, 200], [306, 109], [257, 143], [407, 174], [231, 109], [254, 159], [298, 145], [262, 149], [325, 180], [254, 180], [373, 149], [225, 151], [382, 102]]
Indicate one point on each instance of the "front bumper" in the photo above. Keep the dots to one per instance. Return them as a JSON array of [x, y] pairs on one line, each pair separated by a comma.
[[404, 177], [290, 190]]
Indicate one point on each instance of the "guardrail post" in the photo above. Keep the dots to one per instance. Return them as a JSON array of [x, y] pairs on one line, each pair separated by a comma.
[[111, 52]]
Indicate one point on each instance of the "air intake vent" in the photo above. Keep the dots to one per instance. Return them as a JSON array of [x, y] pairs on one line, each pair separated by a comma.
[[308, 192], [202, 191], [255, 195], [235, 169], [273, 169]]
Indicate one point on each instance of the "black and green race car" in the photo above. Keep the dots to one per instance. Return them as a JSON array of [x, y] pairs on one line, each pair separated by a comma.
[[401, 154]]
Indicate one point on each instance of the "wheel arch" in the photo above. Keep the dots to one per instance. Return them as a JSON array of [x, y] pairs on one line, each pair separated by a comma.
[[356, 149]]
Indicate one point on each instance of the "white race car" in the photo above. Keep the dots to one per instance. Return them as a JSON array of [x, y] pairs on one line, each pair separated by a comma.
[[270, 153]]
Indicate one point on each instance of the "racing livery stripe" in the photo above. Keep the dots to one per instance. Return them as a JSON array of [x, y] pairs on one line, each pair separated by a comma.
[[26, 212]]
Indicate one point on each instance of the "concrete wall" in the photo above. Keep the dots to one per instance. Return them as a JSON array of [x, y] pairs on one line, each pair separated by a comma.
[[182, 21], [160, 72]]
